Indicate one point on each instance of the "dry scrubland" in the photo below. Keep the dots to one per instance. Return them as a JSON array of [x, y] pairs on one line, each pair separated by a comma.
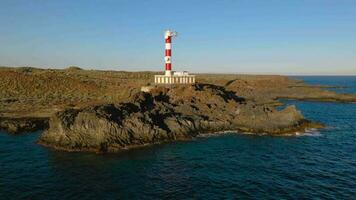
[[32, 92], [27, 91]]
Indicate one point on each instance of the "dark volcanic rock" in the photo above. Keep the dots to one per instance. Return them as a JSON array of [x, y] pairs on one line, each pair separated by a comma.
[[21, 125], [164, 115]]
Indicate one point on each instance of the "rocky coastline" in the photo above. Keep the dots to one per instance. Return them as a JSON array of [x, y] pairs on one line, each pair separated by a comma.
[[166, 114], [105, 111], [23, 125]]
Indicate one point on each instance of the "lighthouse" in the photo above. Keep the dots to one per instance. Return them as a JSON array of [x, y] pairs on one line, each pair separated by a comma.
[[172, 77], [168, 51]]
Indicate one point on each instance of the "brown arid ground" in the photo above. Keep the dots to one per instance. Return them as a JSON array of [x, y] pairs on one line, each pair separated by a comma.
[[100, 111], [32, 92]]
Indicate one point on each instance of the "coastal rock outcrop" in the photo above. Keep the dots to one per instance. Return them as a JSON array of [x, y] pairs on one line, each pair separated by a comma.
[[22, 125], [165, 114]]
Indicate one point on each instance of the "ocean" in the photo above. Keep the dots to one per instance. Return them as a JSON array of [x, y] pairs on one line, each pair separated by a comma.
[[318, 164]]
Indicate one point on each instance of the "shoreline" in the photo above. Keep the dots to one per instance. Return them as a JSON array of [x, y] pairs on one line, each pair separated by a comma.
[[112, 127], [102, 110], [291, 133]]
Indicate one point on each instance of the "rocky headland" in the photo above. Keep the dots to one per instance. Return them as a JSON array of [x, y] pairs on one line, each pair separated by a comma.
[[166, 114], [105, 111]]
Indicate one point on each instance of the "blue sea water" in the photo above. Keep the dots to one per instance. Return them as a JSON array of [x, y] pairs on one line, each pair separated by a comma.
[[343, 84], [320, 164]]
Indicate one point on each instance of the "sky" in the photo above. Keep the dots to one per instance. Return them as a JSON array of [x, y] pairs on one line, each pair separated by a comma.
[[215, 36]]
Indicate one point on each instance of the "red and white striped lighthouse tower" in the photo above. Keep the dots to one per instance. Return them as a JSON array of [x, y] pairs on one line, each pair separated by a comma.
[[168, 51], [171, 77]]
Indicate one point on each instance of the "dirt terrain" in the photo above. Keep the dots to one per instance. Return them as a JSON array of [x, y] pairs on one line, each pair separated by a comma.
[[31, 92]]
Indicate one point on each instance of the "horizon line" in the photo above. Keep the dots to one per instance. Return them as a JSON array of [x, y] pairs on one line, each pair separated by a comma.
[[222, 73]]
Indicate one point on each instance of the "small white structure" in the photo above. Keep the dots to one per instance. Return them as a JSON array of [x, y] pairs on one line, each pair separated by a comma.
[[175, 77], [183, 73]]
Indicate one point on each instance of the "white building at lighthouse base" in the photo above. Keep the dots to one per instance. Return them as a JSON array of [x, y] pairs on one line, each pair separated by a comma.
[[175, 78]]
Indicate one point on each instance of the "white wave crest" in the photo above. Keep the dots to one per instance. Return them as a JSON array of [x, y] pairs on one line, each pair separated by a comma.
[[309, 132]]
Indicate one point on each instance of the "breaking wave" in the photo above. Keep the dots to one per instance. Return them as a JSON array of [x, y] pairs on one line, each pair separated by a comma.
[[309, 132]]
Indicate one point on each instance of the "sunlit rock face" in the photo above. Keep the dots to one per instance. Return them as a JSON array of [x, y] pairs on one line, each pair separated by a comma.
[[165, 114]]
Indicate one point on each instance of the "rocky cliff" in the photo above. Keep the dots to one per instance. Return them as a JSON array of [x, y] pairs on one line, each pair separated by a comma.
[[166, 114]]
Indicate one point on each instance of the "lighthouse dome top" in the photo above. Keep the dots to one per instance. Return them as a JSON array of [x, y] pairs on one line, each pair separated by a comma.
[[170, 33]]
